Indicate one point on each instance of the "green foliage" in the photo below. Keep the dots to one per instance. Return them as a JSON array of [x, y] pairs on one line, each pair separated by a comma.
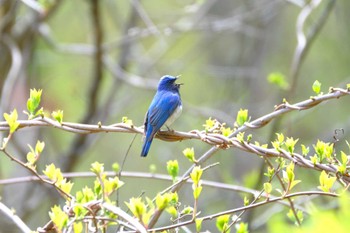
[[33, 103], [209, 124], [33, 155], [316, 87], [189, 153], [58, 116], [11, 120], [320, 221], [326, 182], [173, 169], [116, 167], [242, 117], [278, 79], [342, 168], [196, 176], [198, 222], [289, 176], [292, 217], [222, 223], [58, 217], [287, 144], [127, 121], [139, 209], [267, 187], [242, 228], [323, 150], [55, 175], [304, 150]]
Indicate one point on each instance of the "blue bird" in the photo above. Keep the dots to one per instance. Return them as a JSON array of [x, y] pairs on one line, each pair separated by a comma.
[[166, 106]]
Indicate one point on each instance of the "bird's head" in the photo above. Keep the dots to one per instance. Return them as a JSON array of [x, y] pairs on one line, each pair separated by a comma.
[[167, 82]]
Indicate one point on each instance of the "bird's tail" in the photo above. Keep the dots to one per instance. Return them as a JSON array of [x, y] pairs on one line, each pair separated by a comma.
[[146, 146]]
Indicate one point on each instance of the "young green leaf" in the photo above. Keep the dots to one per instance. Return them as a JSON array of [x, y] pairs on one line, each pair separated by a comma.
[[58, 116], [278, 79], [198, 224], [209, 124], [136, 206], [304, 150], [97, 168], [316, 87], [11, 120], [33, 102], [189, 153], [196, 174], [290, 144], [267, 187], [58, 217], [127, 121], [242, 117], [222, 223], [326, 182], [173, 169], [242, 227]]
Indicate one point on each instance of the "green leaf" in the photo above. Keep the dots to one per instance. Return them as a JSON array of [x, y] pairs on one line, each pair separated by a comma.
[[326, 182], [199, 224], [242, 227], [115, 167], [39, 147], [31, 158], [278, 79], [66, 186], [343, 163], [173, 169], [97, 168], [209, 124], [267, 187], [187, 210], [304, 150], [127, 121], [242, 117], [33, 102], [196, 174], [316, 87], [58, 116], [58, 217], [172, 211], [270, 172], [291, 216], [189, 154], [162, 201], [77, 227], [196, 191], [240, 137], [11, 120], [53, 173], [137, 207], [290, 144], [246, 201], [280, 137], [226, 131], [222, 223]]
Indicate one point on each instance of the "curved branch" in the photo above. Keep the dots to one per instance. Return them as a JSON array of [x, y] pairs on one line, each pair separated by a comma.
[[15, 219]]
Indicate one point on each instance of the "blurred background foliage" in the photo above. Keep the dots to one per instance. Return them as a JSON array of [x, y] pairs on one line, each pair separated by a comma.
[[224, 51]]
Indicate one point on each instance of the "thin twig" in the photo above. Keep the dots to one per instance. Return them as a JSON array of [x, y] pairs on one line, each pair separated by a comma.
[[15, 219], [239, 209]]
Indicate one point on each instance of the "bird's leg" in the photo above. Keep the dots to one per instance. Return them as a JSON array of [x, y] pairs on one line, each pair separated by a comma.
[[169, 129]]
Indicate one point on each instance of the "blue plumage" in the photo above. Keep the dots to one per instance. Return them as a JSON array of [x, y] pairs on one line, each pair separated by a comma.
[[166, 106]]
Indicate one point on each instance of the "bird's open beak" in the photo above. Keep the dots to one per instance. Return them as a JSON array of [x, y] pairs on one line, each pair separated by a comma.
[[177, 77]]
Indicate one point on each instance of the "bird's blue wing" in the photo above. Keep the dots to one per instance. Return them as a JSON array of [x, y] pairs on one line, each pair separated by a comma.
[[162, 108]]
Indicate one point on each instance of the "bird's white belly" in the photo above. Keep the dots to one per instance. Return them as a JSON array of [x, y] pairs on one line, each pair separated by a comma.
[[174, 116]]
